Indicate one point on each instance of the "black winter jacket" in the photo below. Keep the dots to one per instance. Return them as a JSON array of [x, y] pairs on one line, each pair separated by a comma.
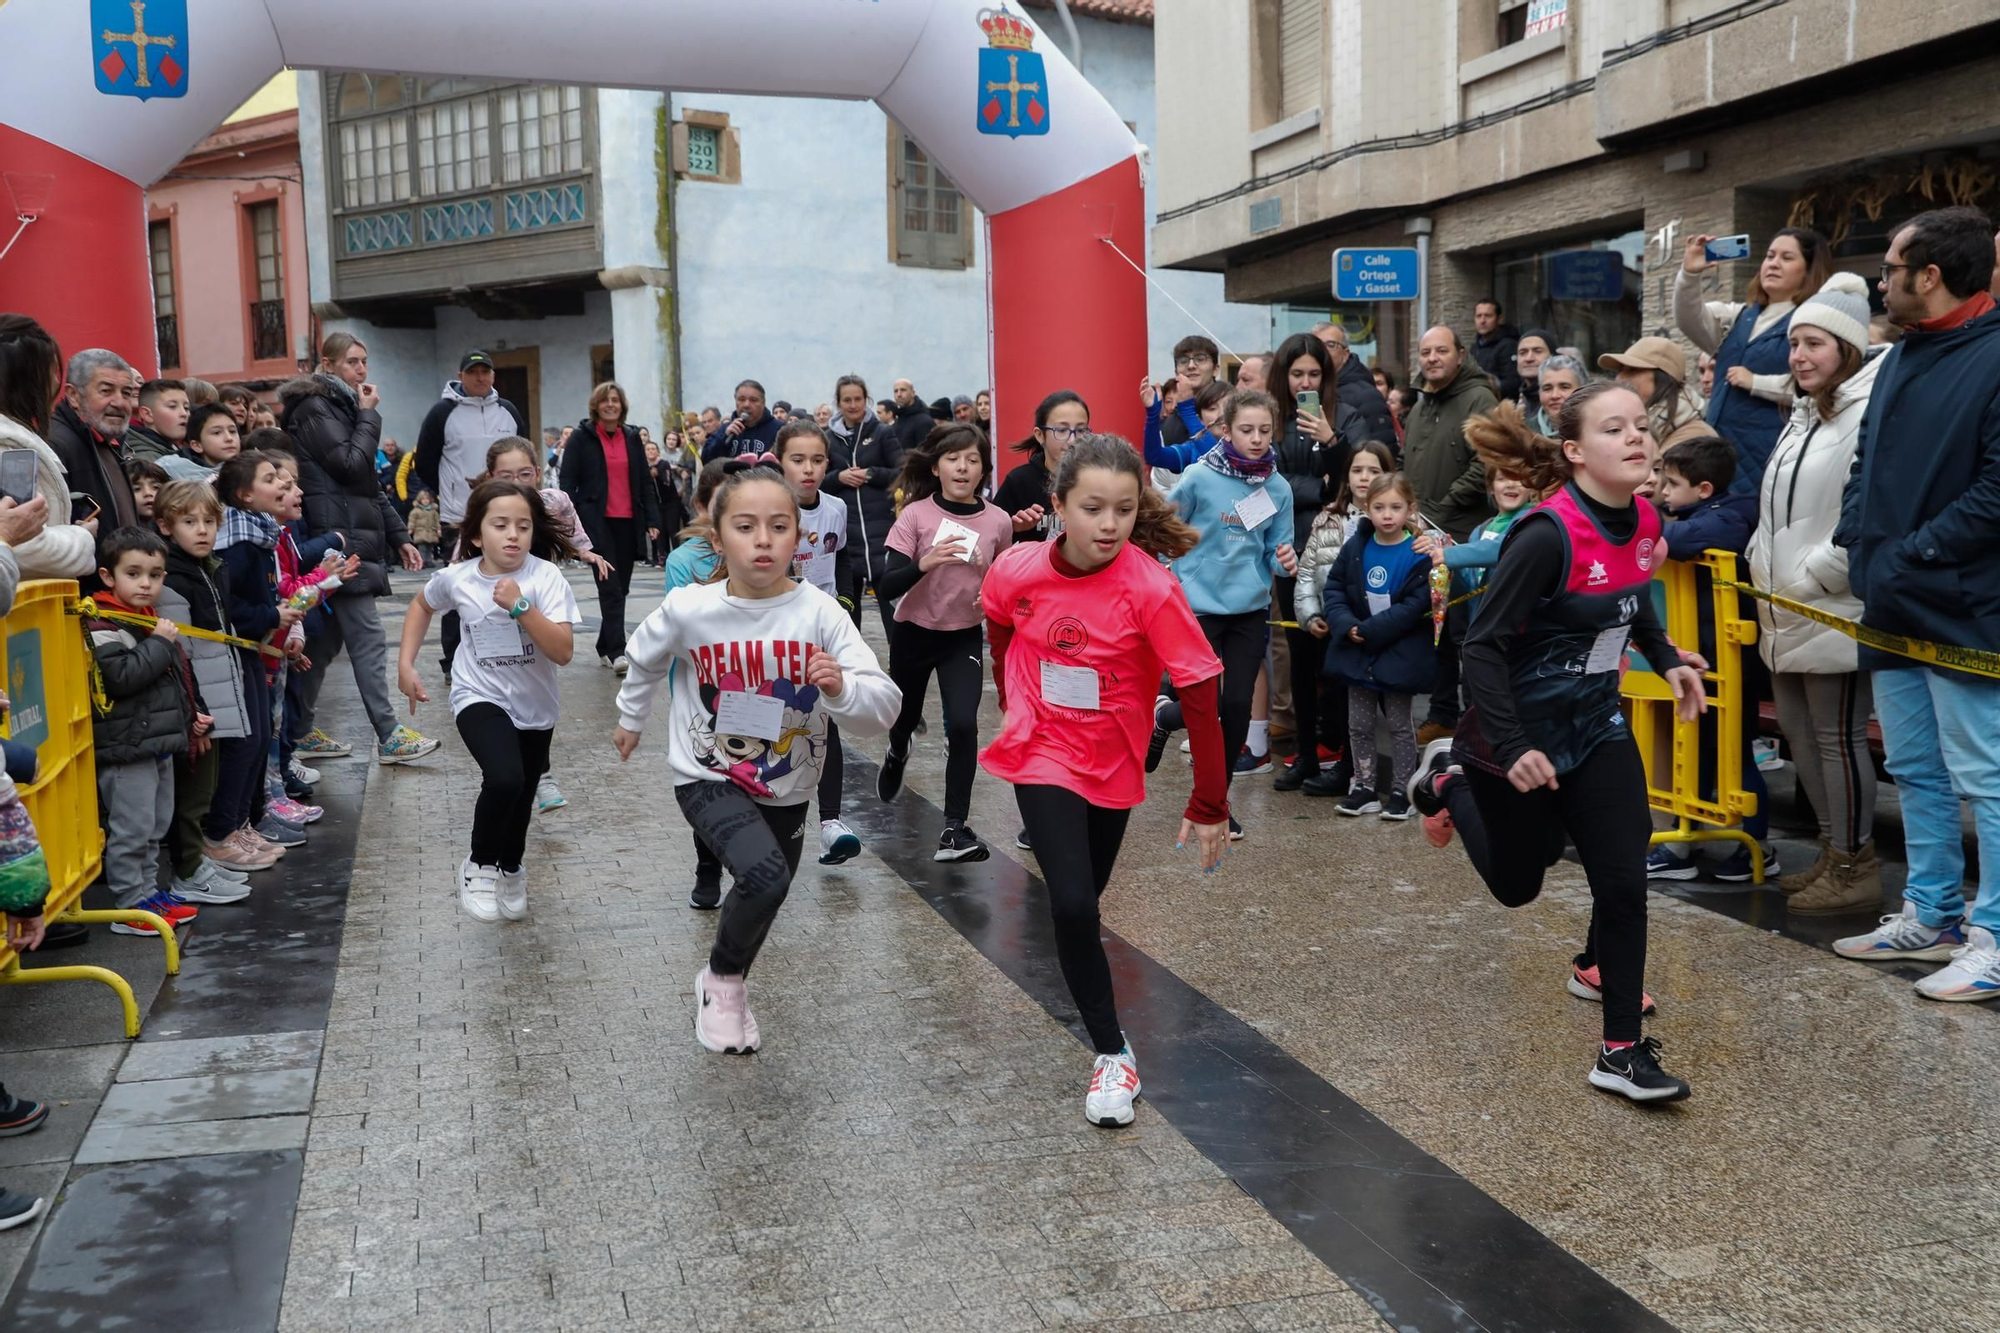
[[588, 484], [1315, 471], [912, 424], [871, 507], [151, 692], [95, 468], [1357, 390], [335, 439], [1030, 483]]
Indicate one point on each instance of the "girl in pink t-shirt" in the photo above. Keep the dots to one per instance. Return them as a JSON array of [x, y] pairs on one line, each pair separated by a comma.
[[1081, 628], [939, 551]]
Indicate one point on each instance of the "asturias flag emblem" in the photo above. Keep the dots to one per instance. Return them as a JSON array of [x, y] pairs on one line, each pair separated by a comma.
[[140, 47], [1013, 85]]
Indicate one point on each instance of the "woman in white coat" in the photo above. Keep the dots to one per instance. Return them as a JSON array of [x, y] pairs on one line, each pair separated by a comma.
[[1823, 701], [31, 377]]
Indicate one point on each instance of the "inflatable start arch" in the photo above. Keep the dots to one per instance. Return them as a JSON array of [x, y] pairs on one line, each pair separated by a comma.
[[107, 95]]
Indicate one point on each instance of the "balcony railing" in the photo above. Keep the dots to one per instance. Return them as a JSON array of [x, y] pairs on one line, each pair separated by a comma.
[[167, 334], [267, 330]]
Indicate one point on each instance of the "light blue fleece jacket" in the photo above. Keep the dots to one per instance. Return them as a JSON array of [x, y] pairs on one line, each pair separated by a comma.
[[1230, 572]]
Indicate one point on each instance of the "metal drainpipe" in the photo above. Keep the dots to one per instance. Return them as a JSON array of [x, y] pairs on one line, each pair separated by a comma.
[[1075, 40]]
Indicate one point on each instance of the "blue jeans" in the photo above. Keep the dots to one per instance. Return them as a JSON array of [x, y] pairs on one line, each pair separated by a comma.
[[1941, 733]]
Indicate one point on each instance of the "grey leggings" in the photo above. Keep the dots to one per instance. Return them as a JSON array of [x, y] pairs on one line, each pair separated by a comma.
[[1361, 706], [1825, 718], [760, 846]]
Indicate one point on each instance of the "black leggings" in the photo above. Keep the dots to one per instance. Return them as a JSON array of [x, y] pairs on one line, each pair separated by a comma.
[[1319, 705], [1514, 837], [760, 844], [856, 586], [1239, 641], [622, 551], [1077, 844], [511, 761], [833, 768], [956, 656]]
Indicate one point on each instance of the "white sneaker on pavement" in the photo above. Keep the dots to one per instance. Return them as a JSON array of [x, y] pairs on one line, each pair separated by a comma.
[[722, 1020], [478, 890], [1113, 1085], [212, 888], [513, 893], [1903, 936], [1973, 973], [837, 842]]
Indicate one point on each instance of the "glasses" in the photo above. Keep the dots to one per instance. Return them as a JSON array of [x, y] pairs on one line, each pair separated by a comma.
[[1194, 359], [1064, 432], [1887, 269]]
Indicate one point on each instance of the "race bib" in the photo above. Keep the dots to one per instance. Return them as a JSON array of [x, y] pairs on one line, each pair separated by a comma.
[[1069, 686], [949, 530], [1608, 651], [1253, 509], [496, 637], [739, 713]]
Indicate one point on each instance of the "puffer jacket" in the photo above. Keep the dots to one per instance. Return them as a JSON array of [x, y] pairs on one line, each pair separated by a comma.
[[335, 439], [151, 691], [1395, 655], [1792, 553], [195, 594], [62, 550], [1449, 478], [1322, 548], [871, 506]]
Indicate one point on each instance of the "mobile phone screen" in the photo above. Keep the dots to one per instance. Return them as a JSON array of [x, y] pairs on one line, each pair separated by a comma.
[[17, 474], [82, 508], [1727, 247]]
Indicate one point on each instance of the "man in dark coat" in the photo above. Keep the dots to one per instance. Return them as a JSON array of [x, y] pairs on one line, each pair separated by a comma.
[[913, 419], [751, 431], [864, 459], [87, 431], [1356, 388], [1494, 347]]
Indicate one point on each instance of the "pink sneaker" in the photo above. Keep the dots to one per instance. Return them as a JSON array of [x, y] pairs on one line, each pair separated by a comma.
[[253, 842], [294, 812], [722, 1020], [1438, 828], [232, 852], [1587, 984]]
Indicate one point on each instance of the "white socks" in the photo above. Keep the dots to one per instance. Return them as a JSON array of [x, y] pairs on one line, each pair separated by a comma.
[[1260, 737]]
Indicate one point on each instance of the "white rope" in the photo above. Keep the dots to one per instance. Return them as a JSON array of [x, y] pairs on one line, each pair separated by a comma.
[[1169, 295]]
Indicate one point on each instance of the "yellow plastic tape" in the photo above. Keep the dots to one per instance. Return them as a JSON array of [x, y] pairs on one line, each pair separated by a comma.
[[1973, 660], [84, 606]]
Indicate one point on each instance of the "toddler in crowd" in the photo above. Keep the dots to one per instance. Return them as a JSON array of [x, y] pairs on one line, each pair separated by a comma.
[[146, 479], [427, 527]]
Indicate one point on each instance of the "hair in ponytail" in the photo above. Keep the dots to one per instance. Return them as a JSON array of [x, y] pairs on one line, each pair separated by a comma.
[[1158, 528], [1506, 443]]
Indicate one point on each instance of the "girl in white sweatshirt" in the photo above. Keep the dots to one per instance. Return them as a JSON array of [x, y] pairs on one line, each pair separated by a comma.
[[767, 661]]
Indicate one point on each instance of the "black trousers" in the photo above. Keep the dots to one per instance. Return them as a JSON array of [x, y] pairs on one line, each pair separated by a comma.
[[1445, 706], [760, 844], [449, 629], [511, 761], [239, 773], [1514, 837], [1319, 705], [955, 657], [833, 767], [1077, 844], [624, 537], [855, 591], [1239, 641]]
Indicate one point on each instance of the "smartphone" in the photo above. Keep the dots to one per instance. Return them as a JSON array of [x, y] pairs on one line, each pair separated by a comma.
[[82, 508], [1309, 401], [1727, 247], [17, 474]]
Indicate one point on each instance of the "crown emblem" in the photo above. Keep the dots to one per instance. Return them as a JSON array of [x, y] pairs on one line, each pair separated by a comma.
[[1005, 31]]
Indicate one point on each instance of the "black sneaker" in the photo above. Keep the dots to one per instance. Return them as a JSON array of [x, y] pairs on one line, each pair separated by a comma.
[[18, 1115], [1635, 1073], [1021, 841], [1422, 788], [1235, 830], [1359, 802], [1293, 773], [17, 1210], [1333, 781], [1395, 806], [705, 897], [959, 843], [299, 791], [889, 779], [1157, 746]]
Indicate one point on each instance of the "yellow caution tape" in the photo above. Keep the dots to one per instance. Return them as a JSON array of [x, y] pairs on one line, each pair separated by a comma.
[[85, 606], [1974, 660], [1456, 601]]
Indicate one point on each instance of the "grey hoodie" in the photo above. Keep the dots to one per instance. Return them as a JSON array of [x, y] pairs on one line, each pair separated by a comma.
[[452, 444]]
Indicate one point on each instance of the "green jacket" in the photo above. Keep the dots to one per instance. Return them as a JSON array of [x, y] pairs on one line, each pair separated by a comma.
[[1449, 478]]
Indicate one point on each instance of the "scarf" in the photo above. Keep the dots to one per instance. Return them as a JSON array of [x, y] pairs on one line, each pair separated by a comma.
[[1225, 459], [347, 390], [1972, 308], [247, 525]]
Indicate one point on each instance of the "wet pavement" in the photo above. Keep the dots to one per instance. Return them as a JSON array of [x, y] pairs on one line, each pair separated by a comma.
[[1365, 1103]]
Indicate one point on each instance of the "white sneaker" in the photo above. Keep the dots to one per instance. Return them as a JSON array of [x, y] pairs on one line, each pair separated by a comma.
[[300, 773], [722, 1021], [621, 664], [1113, 1085], [837, 842], [478, 890], [513, 894], [211, 888], [1974, 972], [548, 796], [1903, 936]]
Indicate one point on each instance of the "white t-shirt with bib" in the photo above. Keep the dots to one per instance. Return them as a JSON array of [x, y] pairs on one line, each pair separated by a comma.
[[497, 662], [822, 535]]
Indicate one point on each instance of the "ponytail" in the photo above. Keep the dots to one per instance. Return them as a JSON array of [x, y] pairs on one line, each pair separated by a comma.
[[1505, 443]]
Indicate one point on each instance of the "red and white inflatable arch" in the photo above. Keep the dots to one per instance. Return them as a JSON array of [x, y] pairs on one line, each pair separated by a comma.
[[107, 95]]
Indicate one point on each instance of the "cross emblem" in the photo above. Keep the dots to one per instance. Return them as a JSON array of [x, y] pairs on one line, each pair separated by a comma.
[[1013, 88], [140, 40]]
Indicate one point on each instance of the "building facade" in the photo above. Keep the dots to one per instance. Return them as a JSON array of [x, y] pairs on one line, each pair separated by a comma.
[[679, 241], [1507, 136]]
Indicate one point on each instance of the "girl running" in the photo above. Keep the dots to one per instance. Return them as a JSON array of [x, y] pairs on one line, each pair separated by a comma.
[[1551, 754], [1242, 510], [1081, 629], [768, 662], [940, 549], [519, 619], [1062, 416]]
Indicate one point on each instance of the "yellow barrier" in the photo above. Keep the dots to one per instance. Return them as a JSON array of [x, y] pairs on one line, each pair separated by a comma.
[[1672, 748], [48, 687]]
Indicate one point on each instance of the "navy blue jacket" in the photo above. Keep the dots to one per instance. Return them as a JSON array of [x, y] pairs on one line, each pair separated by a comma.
[[1719, 523], [1395, 655], [1921, 516], [252, 589]]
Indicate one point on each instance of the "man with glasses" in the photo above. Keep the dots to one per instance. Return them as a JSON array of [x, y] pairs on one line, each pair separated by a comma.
[[1196, 360], [1356, 386]]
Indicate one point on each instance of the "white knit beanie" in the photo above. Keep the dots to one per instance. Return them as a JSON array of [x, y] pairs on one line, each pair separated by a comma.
[[1841, 308]]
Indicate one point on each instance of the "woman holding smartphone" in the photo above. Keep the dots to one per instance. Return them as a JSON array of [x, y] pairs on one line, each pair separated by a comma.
[[31, 383]]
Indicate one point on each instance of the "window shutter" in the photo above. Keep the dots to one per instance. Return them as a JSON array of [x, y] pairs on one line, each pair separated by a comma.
[[1298, 55]]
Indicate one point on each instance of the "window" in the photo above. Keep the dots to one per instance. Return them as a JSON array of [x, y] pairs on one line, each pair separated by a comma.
[[541, 132], [707, 148], [704, 150], [454, 151], [166, 323], [1299, 47], [267, 311], [927, 223], [1522, 19], [374, 161]]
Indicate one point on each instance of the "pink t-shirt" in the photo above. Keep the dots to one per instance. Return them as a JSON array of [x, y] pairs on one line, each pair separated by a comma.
[[1124, 622], [947, 597]]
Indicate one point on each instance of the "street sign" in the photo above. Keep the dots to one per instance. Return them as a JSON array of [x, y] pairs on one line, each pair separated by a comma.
[[1376, 273], [1586, 275]]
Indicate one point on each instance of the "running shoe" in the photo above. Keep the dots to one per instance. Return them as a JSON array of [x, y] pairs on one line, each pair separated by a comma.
[[18, 1209], [1664, 863], [1335, 781], [300, 774], [1157, 746], [512, 894], [318, 745], [275, 829], [1433, 765], [1974, 972], [621, 664], [177, 914], [248, 839], [959, 843], [1903, 936], [889, 778], [1586, 983], [1635, 1072], [1438, 829], [722, 1013], [548, 796], [1735, 869], [216, 870], [233, 854], [705, 897], [405, 745], [479, 890], [604, 661], [837, 842], [1021, 841], [212, 888], [18, 1115], [1395, 806], [1114, 1082], [1235, 830], [1359, 802], [1249, 765], [295, 812]]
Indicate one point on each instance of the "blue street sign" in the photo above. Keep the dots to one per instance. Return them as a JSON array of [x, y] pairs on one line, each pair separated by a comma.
[[1586, 275], [1376, 273]]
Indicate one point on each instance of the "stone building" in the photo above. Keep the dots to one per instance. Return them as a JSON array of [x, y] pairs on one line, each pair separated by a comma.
[[1508, 133]]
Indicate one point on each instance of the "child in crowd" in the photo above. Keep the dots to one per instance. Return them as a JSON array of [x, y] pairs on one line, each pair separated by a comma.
[[1470, 559], [1059, 418], [1200, 412], [188, 515], [426, 527], [150, 717], [1242, 507], [146, 479], [939, 550], [1075, 709], [520, 619], [212, 440], [824, 561], [160, 422], [1377, 620], [763, 663], [310, 570]]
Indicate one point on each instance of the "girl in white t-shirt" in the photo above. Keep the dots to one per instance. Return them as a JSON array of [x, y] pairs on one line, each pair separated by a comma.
[[519, 619], [764, 663]]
